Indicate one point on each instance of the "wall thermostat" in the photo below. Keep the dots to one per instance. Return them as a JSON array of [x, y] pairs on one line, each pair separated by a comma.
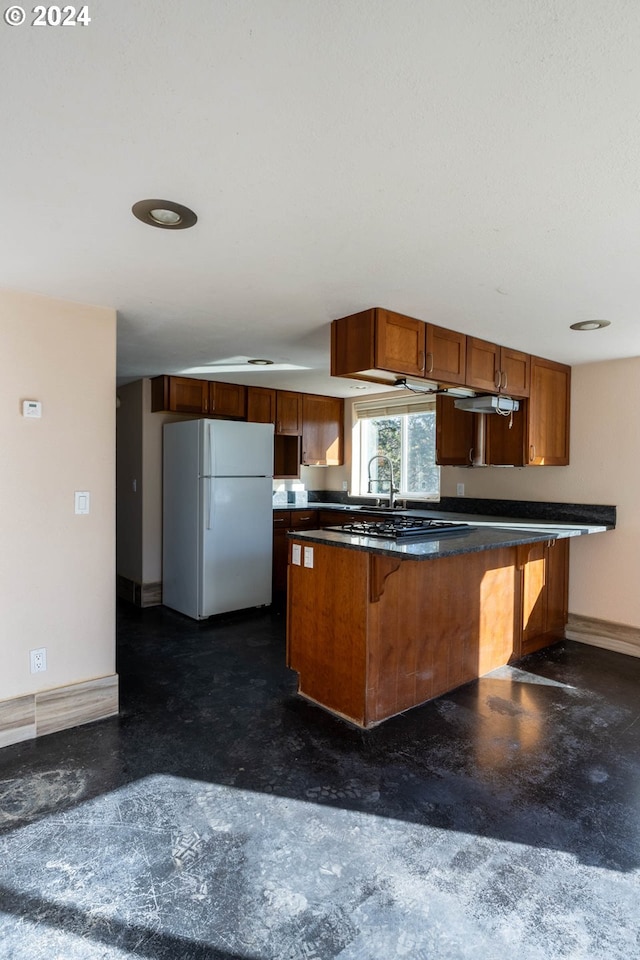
[[31, 408]]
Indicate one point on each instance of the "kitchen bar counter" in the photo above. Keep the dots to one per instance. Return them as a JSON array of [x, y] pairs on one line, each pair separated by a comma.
[[372, 630], [477, 538]]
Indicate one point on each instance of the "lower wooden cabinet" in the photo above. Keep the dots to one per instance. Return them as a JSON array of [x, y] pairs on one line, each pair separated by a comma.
[[283, 521], [373, 635], [544, 573]]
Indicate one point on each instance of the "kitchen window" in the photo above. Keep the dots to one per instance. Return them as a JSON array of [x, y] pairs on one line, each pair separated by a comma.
[[401, 435]]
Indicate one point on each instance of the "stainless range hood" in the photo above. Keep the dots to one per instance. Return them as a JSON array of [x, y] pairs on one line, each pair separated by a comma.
[[487, 404]]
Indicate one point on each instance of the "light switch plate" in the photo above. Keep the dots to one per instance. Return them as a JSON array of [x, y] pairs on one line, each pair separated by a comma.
[[308, 556], [82, 501], [295, 554]]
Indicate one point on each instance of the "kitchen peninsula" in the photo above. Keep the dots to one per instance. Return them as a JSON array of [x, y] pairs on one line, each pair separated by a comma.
[[376, 626]]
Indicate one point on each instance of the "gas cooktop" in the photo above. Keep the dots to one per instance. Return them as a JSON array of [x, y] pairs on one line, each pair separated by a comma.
[[403, 528]]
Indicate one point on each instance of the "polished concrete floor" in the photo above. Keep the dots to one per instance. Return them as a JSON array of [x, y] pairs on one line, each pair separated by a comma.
[[221, 817]]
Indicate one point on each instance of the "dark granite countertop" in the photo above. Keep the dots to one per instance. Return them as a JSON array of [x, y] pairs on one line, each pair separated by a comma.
[[542, 520], [477, 538]]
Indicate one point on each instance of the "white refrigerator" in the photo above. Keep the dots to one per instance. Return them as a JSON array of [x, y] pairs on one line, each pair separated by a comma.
[[217, 531]]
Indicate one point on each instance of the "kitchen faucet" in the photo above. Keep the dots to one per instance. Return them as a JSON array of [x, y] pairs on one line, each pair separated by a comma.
[[392, 487]]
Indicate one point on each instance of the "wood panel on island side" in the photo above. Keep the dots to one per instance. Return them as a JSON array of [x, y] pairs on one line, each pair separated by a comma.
[[373, 635]]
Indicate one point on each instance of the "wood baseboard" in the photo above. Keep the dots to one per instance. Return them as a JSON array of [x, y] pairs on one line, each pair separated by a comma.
[[619, 637], [141, 594], [48, 711]]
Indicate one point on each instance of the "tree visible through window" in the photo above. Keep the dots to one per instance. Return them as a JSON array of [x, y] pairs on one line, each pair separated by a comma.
[[408, 440]]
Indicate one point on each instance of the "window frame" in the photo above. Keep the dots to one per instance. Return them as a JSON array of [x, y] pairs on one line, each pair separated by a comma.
[[398, 406]]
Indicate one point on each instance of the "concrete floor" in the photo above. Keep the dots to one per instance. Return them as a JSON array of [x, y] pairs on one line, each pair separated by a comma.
[[222, 817]]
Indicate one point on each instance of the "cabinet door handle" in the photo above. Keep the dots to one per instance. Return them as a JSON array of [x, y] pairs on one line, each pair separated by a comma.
[[421, 360], [430, 365], [496, 379], [504, 375], [470, 454], [532, 452]]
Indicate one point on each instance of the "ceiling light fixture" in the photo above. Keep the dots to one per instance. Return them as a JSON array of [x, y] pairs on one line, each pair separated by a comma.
[[164, 214], [260, 363], [590, 325]]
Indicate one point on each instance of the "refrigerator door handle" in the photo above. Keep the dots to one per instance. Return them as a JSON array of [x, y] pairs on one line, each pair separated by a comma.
[[211, 465], [210, 510]]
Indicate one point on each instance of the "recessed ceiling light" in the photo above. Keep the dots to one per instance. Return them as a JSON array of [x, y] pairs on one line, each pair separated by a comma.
[[590, 325], [164, 214], [260, 363], [357, 388]]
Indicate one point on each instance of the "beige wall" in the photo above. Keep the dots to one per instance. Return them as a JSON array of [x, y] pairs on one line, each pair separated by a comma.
[[604, 468], [57, 570]]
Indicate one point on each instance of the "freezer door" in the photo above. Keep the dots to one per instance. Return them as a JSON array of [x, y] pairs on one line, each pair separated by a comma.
[[236, 449], [237, 544]]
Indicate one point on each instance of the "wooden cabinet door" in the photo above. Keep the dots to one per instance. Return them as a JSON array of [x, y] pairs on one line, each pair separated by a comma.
[[188, 396], [288, 413], [545, 582], [261, 405], [227, 399], [515, 372], [534, 578], [179, 394], [400, 343], [281, 523], [483, 365], [506, 438], [455, 433], [286, 457], [446, 359], [557, 589], [322, 430], [548, 438], [304, 519]]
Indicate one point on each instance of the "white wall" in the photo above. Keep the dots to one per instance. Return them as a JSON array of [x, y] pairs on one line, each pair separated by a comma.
[[604, 468], [57, 570]]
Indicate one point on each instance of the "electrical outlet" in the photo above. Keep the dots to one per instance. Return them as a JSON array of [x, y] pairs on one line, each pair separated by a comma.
[[460, 489], [38, 659], [345, 484]]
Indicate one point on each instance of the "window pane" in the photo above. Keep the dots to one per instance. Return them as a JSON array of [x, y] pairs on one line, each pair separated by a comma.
[[423, 476], [382, 437]]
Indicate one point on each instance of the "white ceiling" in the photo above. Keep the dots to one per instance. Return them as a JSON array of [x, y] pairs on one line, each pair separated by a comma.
[[475, 164]]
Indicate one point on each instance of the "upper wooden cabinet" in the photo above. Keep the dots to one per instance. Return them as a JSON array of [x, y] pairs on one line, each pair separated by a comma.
[[539, 434], [261, 405], [497, 369], [378, 344], [322, 430], [399, 343], [446, 355], [189, 395], [455, 434], [179, 394], [549, 409], [288, 413], [227, 399]]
